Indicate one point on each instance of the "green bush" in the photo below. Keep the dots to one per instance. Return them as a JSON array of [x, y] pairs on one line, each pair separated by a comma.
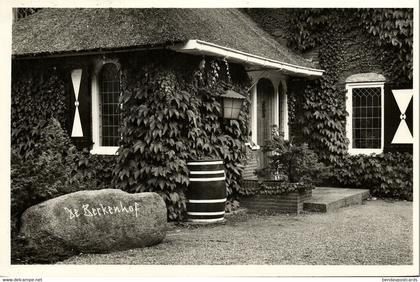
[[292, 162], [292, 168], [386, 175], [34, 180]]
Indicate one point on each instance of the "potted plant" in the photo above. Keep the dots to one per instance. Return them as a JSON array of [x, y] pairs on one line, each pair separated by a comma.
[[288, 180]]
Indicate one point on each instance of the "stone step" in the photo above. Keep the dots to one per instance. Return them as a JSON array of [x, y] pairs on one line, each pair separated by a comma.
[[327, 199]]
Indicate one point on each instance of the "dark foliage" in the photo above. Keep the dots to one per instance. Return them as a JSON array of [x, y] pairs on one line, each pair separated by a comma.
[[386, 175], [99, 169], [393, 33], [37, 96], [171, 114], [292, 162]]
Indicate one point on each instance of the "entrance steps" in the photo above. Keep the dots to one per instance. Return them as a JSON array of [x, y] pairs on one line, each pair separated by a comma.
[[327, 199]]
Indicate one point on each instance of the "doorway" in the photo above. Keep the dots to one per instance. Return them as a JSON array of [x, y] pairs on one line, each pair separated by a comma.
[[265, 116]]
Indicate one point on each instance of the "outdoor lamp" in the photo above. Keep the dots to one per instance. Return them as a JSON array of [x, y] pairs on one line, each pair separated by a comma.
[[232, 104]]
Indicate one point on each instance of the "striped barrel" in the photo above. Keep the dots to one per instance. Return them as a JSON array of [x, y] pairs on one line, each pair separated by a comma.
[[206, 195]]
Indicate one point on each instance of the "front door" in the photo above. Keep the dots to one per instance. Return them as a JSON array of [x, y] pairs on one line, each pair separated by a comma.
[[265, 116]]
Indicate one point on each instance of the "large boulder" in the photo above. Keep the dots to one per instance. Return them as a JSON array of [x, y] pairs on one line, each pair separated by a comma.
[[94, 222]]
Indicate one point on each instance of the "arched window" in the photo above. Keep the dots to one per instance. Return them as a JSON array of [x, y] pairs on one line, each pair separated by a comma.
[[106, 107], [109, 94]]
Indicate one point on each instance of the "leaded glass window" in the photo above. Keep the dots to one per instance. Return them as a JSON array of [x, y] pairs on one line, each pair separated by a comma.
[[109, 85], [366, 117]]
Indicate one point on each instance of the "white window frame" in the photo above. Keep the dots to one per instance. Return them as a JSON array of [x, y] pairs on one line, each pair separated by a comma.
[[349, 121], [97, 149]]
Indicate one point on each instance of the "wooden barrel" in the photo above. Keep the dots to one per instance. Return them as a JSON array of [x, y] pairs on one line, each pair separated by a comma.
[[206, 194]]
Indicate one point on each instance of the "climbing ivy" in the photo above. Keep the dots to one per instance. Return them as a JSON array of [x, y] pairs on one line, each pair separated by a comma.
[[392, 30], [158, 123], [172, 114], [37, 95], [319, 106], [344, 42]]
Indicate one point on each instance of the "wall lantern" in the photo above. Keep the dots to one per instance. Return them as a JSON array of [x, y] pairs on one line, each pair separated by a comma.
[[232, 104]]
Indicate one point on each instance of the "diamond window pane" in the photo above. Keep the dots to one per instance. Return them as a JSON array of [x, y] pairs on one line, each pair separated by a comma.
[[366, 121], [109, 82]]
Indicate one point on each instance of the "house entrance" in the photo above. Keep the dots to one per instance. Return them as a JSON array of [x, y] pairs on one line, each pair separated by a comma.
[[265, 116]]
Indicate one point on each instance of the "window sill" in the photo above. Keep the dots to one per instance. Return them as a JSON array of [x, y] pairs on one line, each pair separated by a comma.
[[104, 150], [365, 151]]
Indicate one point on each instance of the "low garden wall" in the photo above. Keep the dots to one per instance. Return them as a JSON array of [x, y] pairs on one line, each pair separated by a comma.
[[274, 195], [291, 202]]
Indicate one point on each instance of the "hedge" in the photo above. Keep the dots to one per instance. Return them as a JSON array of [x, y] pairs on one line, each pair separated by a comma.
[[386, 175]]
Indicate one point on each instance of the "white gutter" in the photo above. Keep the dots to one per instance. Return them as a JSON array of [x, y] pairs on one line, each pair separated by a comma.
[[207, 48]]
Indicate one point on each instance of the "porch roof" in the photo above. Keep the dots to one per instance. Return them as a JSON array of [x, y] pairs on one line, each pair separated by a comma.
[[59, 31]]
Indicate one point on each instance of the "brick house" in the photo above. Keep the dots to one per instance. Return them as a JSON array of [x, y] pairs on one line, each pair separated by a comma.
[[91, 48]]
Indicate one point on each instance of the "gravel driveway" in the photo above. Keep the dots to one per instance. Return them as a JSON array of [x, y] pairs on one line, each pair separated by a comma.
[[377, 232]]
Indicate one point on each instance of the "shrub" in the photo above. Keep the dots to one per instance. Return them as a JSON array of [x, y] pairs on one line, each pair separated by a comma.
[[98, 169], [386, 175], [292, 162]]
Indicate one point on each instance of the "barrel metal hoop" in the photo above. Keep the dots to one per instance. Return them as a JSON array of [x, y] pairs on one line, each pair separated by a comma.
[[207, 172], [206, 213], [207, 201], [205, 163], [206, 220], [206, 179]]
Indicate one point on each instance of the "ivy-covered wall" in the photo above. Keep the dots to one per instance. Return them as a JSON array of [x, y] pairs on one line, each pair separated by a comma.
[[343, 42], [171, 114], [37, 94]]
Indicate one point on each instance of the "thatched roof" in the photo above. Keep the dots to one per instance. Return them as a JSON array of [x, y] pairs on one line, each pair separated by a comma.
[[63, 30]]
